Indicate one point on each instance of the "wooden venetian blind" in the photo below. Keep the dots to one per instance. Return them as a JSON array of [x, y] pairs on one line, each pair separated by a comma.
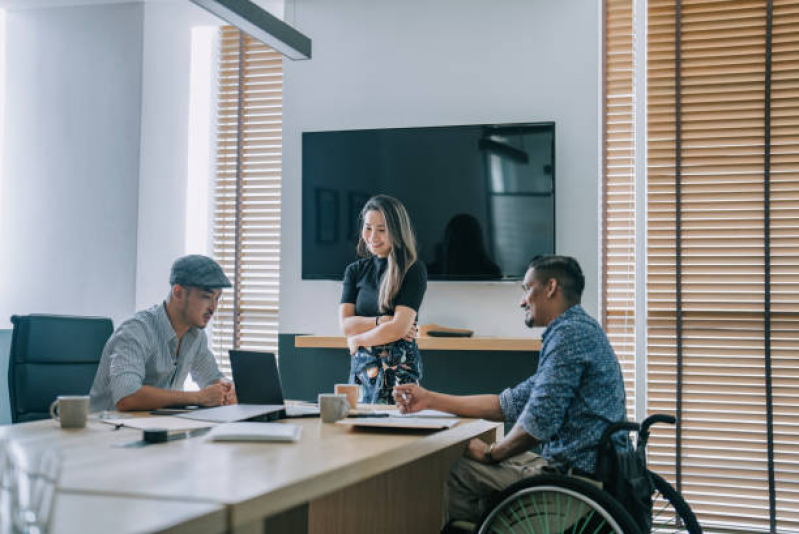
[[618, 190], [723, 257], [246, 234]]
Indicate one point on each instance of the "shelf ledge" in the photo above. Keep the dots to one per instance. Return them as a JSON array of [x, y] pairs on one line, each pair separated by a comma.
[[434, 343]]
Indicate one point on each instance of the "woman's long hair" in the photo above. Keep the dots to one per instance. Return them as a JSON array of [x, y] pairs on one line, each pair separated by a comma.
[[403, 245]]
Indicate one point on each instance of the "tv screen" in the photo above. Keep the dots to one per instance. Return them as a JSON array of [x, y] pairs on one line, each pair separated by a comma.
[[481, 198]]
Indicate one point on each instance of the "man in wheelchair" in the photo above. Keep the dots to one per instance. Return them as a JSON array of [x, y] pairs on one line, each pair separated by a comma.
[[576, 392]]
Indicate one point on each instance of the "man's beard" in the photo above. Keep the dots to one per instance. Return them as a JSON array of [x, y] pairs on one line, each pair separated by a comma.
[[529, 320], [202, 326], [188, 320]]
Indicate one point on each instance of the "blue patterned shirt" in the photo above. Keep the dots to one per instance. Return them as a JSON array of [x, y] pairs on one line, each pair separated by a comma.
[[575, 393]]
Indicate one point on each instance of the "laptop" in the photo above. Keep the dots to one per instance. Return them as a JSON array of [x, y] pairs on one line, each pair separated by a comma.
[[258, 390], [257, 381]]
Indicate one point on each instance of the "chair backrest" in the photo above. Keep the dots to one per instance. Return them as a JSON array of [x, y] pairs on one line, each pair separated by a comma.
[[52, 355], [624, 475]]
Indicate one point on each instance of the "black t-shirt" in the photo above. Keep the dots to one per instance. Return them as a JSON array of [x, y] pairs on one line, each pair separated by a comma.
[[362, 286]]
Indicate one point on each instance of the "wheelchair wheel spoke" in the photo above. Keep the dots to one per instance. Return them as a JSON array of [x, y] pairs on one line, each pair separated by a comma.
[[599, 526], [556, 505], [663, 517], [538, 515], [580, 523], [514, 510], [567, 516], [505, 523], [528, 522]]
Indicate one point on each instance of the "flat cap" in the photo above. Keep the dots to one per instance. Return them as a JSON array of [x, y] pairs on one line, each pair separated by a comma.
[[198, 271]]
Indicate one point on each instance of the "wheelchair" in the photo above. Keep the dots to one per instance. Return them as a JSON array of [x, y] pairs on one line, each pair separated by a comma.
[[563, 504]]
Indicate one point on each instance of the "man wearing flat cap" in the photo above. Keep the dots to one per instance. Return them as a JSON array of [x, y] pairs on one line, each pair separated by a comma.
[[146, 361]]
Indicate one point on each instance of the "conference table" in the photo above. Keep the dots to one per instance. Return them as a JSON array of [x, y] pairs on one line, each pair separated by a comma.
[[334, 479]]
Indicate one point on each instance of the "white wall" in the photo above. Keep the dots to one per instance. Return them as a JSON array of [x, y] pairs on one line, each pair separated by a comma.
[[70, 173], [420, 63], [105, 239], [164, 143]]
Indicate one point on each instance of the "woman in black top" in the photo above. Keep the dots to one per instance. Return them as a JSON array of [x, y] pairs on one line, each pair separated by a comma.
[[380, 302]]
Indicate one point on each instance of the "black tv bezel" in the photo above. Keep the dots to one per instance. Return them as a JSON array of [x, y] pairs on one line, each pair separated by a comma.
[[510, 125]]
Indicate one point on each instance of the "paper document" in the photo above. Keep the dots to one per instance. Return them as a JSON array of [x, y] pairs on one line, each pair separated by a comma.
[[166, 422], [249, 431]]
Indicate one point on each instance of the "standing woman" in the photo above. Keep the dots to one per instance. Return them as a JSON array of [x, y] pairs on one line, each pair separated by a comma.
[[380, 302]]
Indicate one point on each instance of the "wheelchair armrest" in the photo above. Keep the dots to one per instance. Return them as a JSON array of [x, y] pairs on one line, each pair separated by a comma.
[[617, 427]]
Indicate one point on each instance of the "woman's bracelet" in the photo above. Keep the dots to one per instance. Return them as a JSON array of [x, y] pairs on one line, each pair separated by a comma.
[[377, 321]]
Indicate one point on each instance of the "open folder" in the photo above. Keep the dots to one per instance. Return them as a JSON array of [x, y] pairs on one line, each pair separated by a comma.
[[169, 423], [427, 423]]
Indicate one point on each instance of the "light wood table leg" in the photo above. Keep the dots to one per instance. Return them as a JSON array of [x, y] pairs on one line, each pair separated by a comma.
[[406, 499]]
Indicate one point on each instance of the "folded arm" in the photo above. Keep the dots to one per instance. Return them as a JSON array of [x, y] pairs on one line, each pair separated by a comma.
[[352, 324], [390, 328]]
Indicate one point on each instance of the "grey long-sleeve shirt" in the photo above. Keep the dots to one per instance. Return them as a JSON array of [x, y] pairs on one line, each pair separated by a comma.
[[142, 353]]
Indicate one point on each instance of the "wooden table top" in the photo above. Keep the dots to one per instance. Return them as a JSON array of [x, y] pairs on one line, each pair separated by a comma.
[[258, 478], [80, 513]]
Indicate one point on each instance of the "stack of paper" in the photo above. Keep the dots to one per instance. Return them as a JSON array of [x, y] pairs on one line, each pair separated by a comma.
[[249, 431]]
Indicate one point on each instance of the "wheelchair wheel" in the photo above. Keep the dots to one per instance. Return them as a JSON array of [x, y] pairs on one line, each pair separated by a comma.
[[671, 514], [554, 504]]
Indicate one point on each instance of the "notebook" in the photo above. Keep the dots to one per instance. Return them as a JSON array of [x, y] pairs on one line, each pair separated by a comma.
[[169, 423], [255, 432]]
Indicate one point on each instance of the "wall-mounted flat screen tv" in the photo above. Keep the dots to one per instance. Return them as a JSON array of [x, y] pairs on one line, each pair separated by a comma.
[[481, 197]]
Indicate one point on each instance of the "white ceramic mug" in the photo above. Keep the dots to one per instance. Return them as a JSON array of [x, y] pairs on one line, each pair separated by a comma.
[[333, 407], [70, 410]]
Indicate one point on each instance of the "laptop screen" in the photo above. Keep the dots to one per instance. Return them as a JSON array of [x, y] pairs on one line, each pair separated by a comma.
[[256, 377]]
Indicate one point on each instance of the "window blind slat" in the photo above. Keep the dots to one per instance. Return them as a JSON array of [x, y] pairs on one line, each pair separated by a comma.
[[618, 186], [723, 129], [246, 237]]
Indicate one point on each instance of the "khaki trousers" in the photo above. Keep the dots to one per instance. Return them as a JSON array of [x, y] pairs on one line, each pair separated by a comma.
[[470, 484]]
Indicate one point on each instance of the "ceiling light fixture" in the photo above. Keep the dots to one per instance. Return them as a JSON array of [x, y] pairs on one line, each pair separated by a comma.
[[261, 25]]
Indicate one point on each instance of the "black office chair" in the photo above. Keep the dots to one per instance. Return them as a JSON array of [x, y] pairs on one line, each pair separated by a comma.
[[52, 355]]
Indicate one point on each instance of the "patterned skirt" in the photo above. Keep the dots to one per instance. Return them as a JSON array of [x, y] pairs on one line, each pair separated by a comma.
[[378, 369]]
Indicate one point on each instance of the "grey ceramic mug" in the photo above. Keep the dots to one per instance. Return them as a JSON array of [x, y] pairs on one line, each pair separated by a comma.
[[70, 410], [333, 407]]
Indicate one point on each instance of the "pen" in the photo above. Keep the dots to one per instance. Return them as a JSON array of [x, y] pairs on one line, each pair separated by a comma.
[[403, 393]]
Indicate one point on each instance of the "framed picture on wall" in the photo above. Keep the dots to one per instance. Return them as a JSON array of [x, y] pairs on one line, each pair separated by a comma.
[[326, 215], [355, 203]]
